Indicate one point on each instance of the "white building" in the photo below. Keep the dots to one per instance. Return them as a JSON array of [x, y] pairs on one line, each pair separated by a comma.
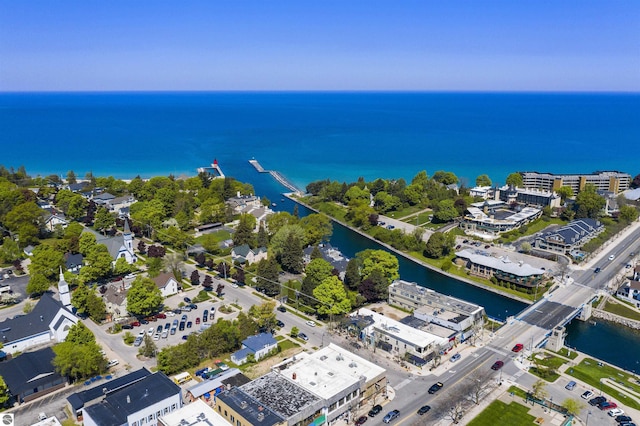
[[167, 284], [198, 413], [141, 403]]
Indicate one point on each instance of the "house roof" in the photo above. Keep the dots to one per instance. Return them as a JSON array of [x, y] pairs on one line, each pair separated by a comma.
[[114, 244], [29, 370], [105, 196], [163, 279], [116, 294], [259, 341], [78, 399], [117, 405], [574, 231], [242, 250], [35, 322], [73, 260], [241, 354]]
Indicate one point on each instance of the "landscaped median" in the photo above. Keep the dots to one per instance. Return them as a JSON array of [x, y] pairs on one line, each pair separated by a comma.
[[620, 385], [513, 414]]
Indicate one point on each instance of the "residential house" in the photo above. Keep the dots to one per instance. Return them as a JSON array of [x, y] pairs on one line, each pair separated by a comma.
[[48, 322], [259, 346], [570, 237], [31, 375], [167, 284], [115, 299], [244, 254], [141, 403], [54, 220], [331, 255], [120, 205], [630, 291], [103, 199], [73, 262]]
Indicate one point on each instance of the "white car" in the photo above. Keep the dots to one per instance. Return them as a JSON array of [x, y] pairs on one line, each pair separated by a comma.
[[150, 331], [612, 257], [311, 323], [170, 314], [586, 395], [615, 412], [141, 334], [113, 363]]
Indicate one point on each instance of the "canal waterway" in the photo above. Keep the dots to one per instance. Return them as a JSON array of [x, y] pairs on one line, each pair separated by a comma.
[[606, 341]]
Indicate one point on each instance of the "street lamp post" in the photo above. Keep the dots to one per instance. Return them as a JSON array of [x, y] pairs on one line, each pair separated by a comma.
[[588, 415]]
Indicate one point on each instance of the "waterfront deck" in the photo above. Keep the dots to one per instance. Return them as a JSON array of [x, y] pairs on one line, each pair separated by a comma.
[[277, 176]]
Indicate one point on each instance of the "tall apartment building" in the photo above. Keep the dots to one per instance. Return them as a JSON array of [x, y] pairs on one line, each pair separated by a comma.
[[606, 181]]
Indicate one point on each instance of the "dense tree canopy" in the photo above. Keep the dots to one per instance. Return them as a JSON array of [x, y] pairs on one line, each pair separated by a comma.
[[515, 179], [144, 297], [589, 203], [380, 260], [332, 297], [79, 355], [483, 180]]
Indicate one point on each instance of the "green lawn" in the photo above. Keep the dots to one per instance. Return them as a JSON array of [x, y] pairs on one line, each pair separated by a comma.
[[287, 344], [622, 310], [589, 372], [565, 353], [332, 210], [513, 414], [531, 229]]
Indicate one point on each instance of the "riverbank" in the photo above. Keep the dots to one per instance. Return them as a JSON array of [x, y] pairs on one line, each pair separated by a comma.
[[292, 197]]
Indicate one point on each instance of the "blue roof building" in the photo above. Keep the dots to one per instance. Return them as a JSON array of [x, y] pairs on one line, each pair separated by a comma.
[[259, 346]]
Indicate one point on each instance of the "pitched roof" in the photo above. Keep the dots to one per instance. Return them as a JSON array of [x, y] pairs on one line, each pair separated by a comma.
[[73, 260], [242, 250], [259, 341], [117, 405], [162, 279], [78, 399], [35, 322], [29, 370]]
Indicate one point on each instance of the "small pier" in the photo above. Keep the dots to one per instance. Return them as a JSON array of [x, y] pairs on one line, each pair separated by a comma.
[[276, 175], [213, 170]]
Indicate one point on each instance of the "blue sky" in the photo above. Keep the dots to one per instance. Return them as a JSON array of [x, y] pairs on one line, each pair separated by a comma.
[[320, 45]]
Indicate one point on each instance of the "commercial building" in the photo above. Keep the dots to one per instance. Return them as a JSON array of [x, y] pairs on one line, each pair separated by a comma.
[[485, 266], [141, 403], [494, 218], [197, 413], [208, 389], [433, 307], [398, 338], [606, 180], [529, 196]]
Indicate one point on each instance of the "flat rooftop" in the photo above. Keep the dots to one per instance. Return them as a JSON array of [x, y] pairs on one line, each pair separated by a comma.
[[330, 370], [401, 331], [433, 298], [280, 394], [432, 328], [198, 413]]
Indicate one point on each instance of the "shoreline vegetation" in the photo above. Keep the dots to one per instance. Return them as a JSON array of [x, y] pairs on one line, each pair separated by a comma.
[[412, 258]]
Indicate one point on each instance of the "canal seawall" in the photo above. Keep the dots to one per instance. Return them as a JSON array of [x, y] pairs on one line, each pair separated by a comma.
[[608, 316], [412, 259]]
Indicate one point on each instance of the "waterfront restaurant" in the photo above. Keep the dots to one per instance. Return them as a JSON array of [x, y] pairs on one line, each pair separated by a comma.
[[518, 273]]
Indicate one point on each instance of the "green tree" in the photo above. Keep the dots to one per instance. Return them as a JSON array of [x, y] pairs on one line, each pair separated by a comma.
[[104, 219], [332, 296], [295, 331], [414, 194], [267, 278], [628, 213], [573, 406], [380, 260], [79, 334], [565, 192], [538, 390], [4, 392], [445, 178], [352, 274], [26, 219], [244, 231], [86, 242], [421, 179], [287, 246], [79, 355], [144, 297], [278, 220], [316, 271], [46, 261], [96, 307], [97, 263], [9, 251], [483, 180], [263, 236], [317, 228], [384, 202], [439, 245], [80, 297], [148, 348], [122, 267], [71, 177], [515, 179], [445, 211], [589, 203], [264, 315]]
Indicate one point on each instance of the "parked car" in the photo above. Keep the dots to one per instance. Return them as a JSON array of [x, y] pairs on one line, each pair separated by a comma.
[[455, 357], [165, 334], [391, 415], [607, 405], [205, 315], [623, 419], [171, 314], [279, 323], [127, 327], [187, 300], [597, 400], [181, 326], [138, 341], [167, 326], [159, 329], [586, 395], [375, 410], [615, 412], [435, 387], [193, 306], [150, 331], [161, 315], [571, 385], [281, 308], [424, 409], [186, 309], [361, 420], [497, 365], [303, 337], [135, 324], [518, 347], [311, 323], [144, 322], [113, 363], [184, 318], [189, 324], [197, 320], [173, 331]]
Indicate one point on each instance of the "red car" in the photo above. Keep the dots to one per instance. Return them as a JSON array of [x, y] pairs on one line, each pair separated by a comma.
[[135, 324], [361, 420], [161, 315], [517, 348], [497, 365]]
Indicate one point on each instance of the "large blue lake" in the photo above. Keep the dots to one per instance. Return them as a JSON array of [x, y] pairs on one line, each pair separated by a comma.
[[342, 136]]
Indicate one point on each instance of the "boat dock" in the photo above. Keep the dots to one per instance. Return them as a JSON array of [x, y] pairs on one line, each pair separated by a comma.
[[276, 175], [213, 170]]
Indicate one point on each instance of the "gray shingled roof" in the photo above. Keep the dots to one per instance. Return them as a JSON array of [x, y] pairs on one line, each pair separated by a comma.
[[78, 399], [29, 370]]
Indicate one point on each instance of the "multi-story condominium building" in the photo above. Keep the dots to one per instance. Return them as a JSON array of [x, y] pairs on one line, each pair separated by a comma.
[[529, 196], [569, 237], [607, 181]]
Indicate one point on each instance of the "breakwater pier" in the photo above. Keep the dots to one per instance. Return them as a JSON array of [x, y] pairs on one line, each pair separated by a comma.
[[277, 176]]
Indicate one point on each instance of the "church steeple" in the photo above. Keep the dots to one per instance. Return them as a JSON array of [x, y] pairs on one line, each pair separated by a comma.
[[63, 290], [127, 237]]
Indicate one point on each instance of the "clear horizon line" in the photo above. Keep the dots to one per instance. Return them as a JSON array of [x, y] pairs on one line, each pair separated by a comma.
[[330, 91]]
